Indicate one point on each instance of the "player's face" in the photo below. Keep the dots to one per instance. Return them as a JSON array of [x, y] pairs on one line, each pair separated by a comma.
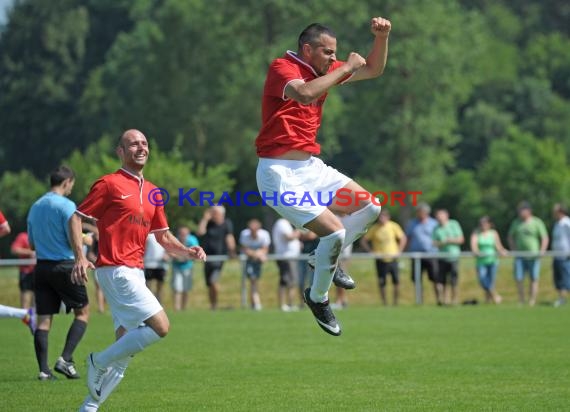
[[134, 151], [323, 54]]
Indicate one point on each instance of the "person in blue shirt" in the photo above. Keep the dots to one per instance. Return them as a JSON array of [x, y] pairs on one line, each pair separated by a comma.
[[419, 232], [49, 235], [182, 274]]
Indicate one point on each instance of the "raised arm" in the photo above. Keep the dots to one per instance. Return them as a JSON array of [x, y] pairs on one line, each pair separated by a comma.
[[376, 59]]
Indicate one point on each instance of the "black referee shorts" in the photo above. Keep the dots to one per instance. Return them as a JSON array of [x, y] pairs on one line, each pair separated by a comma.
[[53, 285]]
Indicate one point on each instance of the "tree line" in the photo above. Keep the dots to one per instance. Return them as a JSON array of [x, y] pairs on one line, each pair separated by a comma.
[[473, 109]]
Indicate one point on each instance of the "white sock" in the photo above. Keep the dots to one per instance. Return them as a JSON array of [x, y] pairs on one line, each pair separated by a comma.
[[112, 378], [12, 312], [326, 259], [129, 344], [358, 223]]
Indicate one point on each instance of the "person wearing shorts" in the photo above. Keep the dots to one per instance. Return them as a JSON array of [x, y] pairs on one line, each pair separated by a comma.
[[22, 249], [182, 271], [217, 238], [386, 237], [527, 233], [48, 234], [419, 232], [448, 237], [126, 209], [287, 247], [155, 265], [291, 179], [254, 243]]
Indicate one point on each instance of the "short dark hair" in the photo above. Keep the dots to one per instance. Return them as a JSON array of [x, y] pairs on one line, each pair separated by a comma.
[[59, 174], [312, 33]]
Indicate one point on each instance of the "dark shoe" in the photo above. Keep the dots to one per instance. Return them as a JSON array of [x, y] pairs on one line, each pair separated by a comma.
[[323, 314], [343, 279], [340, 278], [46, 376], [66, 368]]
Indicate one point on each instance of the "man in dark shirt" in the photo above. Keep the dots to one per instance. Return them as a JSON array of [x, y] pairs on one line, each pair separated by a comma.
[[216, 232]]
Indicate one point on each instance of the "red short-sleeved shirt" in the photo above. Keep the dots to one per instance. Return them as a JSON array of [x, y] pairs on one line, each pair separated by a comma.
[[2, 219], [287, 124], [120, 204]]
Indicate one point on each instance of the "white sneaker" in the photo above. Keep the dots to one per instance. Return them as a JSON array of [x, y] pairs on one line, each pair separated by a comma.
[[285, 308], [559, 303], [95, 377]]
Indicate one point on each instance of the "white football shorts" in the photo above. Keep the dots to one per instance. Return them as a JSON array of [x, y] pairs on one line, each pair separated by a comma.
[[130, 301], [299, 190]]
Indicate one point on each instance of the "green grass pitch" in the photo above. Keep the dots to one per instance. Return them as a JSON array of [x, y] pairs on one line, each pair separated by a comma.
[[482, 358]]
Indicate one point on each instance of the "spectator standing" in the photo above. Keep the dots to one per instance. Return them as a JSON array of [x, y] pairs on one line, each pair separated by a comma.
[[485, 243], [49, 235], [155, 265], [254, 243], [217, 238], [419, 232], [527, 234], [287, 245], [182, 270], [448, 238], [386, 237], [561, 243], [22, 249]]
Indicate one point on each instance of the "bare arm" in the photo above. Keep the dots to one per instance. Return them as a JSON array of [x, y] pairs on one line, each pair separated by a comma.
[[474, 245], [365, 244], [5, 229], [544, 243], [499, 244], [231, 244], [203, 224], [79, 273], [307, 92], [172, 245], [402, 243], [376, 59]]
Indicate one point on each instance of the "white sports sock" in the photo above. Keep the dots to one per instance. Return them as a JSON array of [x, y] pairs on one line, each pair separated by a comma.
[[112, 378], [326, 259], [129, 344], [358, 223], [12, 312]]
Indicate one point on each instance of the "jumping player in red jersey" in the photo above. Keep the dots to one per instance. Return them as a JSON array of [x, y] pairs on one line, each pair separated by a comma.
[[121, 204], [295, 90]]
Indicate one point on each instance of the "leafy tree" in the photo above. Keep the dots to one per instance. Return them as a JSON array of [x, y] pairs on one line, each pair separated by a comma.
[[523, 167]]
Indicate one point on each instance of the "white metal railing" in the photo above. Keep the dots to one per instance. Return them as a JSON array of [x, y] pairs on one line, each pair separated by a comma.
[[414, 256]]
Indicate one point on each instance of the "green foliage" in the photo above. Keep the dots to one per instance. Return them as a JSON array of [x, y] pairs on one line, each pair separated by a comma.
[[523, 167], [19, 190]]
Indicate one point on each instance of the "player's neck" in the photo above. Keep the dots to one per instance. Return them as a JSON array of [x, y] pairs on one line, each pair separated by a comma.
[[136, 172]]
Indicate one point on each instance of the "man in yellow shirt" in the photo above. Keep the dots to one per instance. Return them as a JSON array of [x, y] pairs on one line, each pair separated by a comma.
[[386, 237]]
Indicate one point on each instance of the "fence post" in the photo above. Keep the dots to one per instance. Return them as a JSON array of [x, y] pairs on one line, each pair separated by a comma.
[[418, 278]]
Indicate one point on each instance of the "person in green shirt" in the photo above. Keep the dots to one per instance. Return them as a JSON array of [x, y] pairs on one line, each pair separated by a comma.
[[527, 234], [448, 237], [485, 242]]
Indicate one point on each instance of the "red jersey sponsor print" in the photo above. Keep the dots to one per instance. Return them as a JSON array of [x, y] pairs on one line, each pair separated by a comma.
[[119, 202], [287, 124]]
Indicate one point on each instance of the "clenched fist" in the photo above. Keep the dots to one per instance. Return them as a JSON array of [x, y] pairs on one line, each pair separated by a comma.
[[380, 26], [355, 61]]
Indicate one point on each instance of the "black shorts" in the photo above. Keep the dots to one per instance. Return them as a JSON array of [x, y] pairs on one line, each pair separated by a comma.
[[428, 265], [447, 273], [288, 272], [158, 274], [53, 285], [212, 272], [26, 282], [383, 269]]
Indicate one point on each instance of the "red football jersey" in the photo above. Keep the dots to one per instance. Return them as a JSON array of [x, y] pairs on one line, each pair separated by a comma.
[[125, 216], [286, 124]]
